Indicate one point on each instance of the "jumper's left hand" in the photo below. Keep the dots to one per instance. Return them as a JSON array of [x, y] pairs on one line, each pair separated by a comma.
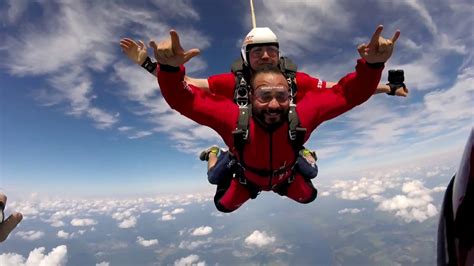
[[379, 49]]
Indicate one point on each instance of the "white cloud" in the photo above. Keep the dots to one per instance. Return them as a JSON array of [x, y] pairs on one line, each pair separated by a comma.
[[83, 35], [140, 134], [323, 16], [191, 245], [392, 191], [189, 260], [57, 257], [63, 234], [57, 223], [74, 87], [439, 189], [178, 210], [423, 13], [202, 231], [415, 205], [402, 129], [259, 239], [83, 222], [128, 223], [16, 9], [346, 210], [325, 194], [360, 189], [146, 243], [28, 210], [123, 214], [124, 128], [168, 217], [30, 235], [103, 263], [432, 173]]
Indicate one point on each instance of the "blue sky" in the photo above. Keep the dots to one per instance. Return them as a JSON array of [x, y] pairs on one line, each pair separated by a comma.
[[90, 152], [77, 114]]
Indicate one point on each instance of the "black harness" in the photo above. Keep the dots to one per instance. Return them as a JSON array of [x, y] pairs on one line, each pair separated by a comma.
[[296, 133]]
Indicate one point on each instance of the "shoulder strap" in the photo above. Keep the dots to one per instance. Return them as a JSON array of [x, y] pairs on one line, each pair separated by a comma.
[[295, 132], [241, 133], [241, 90], [289, 69]]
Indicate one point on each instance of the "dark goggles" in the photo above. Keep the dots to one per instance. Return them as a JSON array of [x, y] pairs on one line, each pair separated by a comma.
[[258, 51]]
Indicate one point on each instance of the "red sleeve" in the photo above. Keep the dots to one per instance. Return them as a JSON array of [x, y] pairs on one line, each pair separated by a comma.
[[222, 84], [214, 111], [306, 83], [352, 90]]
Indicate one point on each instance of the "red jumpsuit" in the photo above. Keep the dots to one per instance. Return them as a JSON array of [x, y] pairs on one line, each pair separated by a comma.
[[264, 150]]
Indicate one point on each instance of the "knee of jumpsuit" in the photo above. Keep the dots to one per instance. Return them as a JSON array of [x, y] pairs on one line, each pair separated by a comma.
[[222, 168], [233, 198], [309, 171], [301, 190]]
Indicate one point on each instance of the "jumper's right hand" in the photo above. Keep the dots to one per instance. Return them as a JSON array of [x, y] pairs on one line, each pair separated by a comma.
[[135, 51], [169, 51]]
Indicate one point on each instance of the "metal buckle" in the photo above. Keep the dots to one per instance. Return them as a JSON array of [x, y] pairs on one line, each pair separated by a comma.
[[242, 180], [291, 178]]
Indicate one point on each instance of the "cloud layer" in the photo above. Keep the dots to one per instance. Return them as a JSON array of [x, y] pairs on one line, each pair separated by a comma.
[[57, 257]]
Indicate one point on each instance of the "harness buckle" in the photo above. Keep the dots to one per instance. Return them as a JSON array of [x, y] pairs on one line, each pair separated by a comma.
[[291, 178], [242, 180], [239, 173], [292, 134]]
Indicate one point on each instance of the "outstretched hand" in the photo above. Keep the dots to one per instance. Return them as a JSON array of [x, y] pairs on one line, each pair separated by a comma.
[[402, 92], [170, 52], [135, 51], [10, 223], [379, 49]]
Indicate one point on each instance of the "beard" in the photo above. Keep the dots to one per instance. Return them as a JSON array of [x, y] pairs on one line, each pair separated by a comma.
[[270, 119]]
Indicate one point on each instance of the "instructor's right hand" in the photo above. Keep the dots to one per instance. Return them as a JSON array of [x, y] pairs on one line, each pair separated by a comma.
[[170, 52]]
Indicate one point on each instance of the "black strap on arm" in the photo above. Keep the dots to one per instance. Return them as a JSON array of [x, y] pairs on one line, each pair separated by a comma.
[[149, 65]]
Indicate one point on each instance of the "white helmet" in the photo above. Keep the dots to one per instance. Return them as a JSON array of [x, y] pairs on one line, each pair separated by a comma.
[[263, 35]]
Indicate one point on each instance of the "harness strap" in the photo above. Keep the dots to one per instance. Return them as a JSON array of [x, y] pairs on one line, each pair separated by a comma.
[[288, 68], [296, 133], [241, 133], [264, 173], [241, 92]]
